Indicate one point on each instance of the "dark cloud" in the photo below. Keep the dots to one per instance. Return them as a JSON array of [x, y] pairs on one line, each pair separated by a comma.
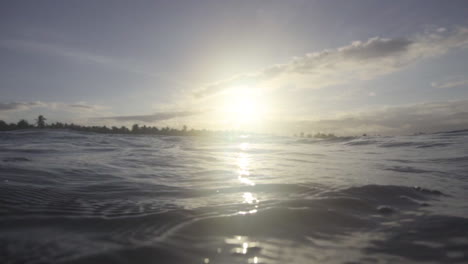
[[151, 118], [54, 106], [375, 48], [9, 106], [14, 106]]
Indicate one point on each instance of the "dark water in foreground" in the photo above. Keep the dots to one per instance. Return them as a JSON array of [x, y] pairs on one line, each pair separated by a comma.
[[70, 197]]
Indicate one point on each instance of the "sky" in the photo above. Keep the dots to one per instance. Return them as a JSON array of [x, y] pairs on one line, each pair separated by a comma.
[[343, 67]]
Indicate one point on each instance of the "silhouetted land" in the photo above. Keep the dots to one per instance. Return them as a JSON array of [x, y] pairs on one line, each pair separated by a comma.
[[318, 135], [135, 129]]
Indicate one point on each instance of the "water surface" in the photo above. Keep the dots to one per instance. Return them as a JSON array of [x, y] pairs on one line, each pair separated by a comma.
[[71, 197]]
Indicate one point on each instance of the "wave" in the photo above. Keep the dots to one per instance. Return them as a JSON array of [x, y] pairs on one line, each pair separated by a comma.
[[457, 160], [361, 142], [333, 216], [433, 145], [406, 169], [16, 159]]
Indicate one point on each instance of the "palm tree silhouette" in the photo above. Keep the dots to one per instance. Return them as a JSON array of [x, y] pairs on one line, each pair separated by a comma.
[[40, 121]]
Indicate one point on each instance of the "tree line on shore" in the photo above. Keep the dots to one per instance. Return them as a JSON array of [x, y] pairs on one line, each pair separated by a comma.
[[135, 129], [318, 135]]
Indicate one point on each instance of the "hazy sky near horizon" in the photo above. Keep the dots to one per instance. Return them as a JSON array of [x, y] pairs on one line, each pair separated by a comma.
[[350, 66]]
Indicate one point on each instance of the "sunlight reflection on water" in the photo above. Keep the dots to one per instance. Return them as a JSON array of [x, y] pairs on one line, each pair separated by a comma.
[[243, 162], [245, 247]]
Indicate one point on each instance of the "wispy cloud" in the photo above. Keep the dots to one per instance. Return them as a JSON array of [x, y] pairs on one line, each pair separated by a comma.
[[452, 82], [361, 60], [79, 56], [82, 106], [152, 117], [424, 117], [58, 50], [24, 106]]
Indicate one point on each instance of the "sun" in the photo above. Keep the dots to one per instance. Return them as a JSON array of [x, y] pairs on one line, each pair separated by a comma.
[[243, 105]]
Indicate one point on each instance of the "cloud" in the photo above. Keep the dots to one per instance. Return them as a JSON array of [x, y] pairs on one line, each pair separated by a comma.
[[24, 106], [361, 60], [424, 117], [451, 82], [151, 118], [80, 56], [82, 106], [20, 106], [59, 50]]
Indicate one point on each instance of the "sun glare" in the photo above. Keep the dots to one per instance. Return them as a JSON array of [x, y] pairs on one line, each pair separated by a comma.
[[243, 105]]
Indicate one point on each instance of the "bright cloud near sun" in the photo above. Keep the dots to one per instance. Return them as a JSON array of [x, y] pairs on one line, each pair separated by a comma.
[[360, 60], [289, 92]]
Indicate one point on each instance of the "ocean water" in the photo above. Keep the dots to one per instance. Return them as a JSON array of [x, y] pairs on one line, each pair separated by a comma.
[[71, 197]]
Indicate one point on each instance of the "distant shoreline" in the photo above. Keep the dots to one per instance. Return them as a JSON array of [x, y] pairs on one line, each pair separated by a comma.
[[122, 130], [136, 129]]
